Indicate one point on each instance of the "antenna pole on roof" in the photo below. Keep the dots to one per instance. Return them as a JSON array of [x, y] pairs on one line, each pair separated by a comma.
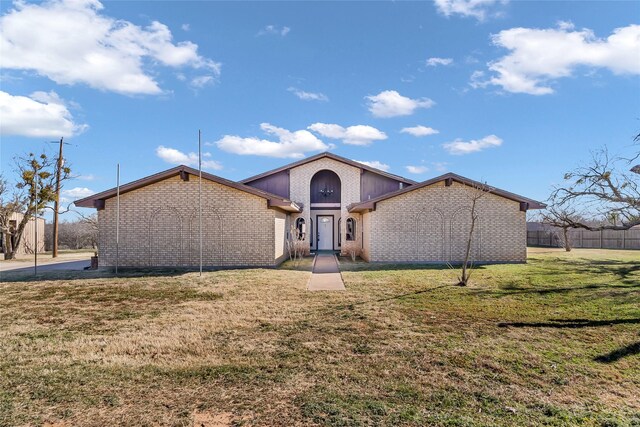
[[117, 216], [200, 193]]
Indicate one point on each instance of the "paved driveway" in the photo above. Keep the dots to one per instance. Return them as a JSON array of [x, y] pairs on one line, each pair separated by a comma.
[[65, 265], [73, 261]]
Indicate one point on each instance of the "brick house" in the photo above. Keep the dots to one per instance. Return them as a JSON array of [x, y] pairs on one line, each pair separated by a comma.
[[335, 203]]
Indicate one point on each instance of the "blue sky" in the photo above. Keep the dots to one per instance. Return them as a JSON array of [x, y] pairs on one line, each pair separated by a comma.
[[511, 92]]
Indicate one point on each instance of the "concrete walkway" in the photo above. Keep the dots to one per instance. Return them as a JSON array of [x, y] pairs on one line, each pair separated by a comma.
[[326, 274]]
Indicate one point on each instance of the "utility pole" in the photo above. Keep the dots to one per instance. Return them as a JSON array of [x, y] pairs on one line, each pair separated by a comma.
[[56, 203]]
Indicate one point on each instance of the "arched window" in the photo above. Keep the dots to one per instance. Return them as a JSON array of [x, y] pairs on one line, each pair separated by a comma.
[[351, 229], [301, 228]]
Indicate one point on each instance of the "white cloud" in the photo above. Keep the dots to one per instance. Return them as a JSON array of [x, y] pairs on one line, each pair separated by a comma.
[[478, 9], [177, 157], [77, 193], [274, 30], [185, 27], [434, 62], [352, 135], [308, 96], [539, 56], [70, 41], [459, 146], [289, 144], [420, 130], [41, 114], [390, 103], [202, 81], [417, 169], [375, 164]]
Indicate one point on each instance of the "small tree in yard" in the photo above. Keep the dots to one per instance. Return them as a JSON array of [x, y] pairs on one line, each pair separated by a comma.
[[474, 194], [295, 244], [30, 197], [561, 217]]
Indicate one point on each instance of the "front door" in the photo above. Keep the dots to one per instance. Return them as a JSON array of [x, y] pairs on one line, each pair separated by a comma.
[[325, 233]]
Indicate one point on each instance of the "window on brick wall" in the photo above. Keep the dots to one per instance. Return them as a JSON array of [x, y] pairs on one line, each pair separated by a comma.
[[339, 232], [301, 228], [351, 229], [311, 231]]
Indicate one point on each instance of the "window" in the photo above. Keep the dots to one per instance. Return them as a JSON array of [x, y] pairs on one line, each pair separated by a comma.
[[301, 228], [351, 229], [311, 231], [339, 232]]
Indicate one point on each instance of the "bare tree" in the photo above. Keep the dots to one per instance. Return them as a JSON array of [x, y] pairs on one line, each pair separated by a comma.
[[91, 228], [474, 194], [295, 244], [606, 188], [10, 202], [34, 194], [561, 218]]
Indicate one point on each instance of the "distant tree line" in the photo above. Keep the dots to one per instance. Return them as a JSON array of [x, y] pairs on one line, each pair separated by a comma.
[[79, 234]]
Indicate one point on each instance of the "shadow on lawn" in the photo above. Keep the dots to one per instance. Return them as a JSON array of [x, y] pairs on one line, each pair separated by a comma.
[[622, 269], [569, 323], [510, 290], [25, 276], [614, 356]]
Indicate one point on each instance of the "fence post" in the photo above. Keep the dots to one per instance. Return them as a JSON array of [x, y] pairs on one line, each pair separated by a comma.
[[581, 235], [624, 239], [600, 239]]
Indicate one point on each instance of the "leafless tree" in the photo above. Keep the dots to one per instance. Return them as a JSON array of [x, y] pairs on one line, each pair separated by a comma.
[[32, 195], [11, 201], [474, 194], [560, 220], [607, 188], [295, 244]]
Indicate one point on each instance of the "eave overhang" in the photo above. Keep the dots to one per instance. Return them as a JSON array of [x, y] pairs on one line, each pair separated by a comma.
[[285, 205], [448, 178], [97, 201]]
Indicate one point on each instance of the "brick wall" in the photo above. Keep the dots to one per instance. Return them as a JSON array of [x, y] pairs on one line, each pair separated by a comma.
[[431, 224], [300, 179], [159, 227]]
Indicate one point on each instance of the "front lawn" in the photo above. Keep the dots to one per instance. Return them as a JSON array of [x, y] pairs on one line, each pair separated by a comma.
[[554, 342]]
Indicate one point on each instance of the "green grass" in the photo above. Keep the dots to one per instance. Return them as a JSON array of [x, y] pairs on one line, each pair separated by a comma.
[[554, 342]]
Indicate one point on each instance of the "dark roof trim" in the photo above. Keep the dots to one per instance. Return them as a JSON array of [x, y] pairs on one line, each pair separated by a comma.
[[94, 200], [330, 156], [448, 177]]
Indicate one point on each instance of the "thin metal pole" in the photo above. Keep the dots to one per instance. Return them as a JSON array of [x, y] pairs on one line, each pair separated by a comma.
[[200, 193], [35, 251], [117, 216]]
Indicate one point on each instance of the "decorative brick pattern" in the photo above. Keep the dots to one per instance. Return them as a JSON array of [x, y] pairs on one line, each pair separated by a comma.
[[431, 224], [300, 181], [159, 227]]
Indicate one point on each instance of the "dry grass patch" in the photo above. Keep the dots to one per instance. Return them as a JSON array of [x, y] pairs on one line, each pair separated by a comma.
[[547, 343]]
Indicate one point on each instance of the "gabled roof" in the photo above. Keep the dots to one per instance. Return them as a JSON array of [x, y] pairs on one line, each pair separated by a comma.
[[272, 199], [333, 157], [371, 204]]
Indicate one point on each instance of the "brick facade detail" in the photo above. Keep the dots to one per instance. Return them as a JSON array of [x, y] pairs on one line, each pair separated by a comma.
[[159, 227], [431, 224], [300, 187]]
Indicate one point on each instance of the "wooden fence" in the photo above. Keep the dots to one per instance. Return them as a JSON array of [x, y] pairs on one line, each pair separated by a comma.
[[604, 239]]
